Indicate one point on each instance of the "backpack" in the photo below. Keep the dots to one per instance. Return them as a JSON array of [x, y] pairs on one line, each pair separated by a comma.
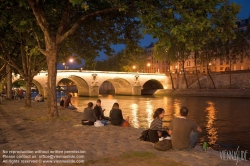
[[144, 136], [163, 145], [125, 124]]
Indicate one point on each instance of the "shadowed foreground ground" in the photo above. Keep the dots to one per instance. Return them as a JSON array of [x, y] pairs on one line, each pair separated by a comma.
[[37, 139]]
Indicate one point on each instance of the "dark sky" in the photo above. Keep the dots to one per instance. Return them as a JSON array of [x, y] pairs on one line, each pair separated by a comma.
[[245, 8], [243, 14]]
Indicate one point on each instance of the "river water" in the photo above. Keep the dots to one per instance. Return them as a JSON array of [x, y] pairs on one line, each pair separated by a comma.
[[225, 121]]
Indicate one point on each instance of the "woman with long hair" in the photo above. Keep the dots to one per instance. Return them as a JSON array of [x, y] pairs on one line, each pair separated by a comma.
[[116, 117], [156, 131]]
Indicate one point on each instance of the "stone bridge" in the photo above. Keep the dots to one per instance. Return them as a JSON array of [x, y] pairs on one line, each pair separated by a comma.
[[89, 82]]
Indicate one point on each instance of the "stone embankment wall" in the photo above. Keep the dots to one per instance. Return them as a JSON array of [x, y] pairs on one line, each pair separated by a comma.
[[244, 93], [224, 80], [236, 84]]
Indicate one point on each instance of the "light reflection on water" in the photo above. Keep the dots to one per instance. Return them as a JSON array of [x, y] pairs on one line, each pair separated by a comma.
[[133, 115], [177, 107], [149, 112], [211, 117], [224, 121]]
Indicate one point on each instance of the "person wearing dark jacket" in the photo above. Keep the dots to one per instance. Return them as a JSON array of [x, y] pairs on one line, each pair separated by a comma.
[[88, 116], [115, 115], [99, 111]]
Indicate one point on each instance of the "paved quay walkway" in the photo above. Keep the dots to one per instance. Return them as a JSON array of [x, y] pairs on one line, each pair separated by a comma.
[[26, 133]]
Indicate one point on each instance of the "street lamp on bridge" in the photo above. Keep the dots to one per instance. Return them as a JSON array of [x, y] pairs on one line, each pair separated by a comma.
[[134, 67], [148, 67], [65, 66], [71, 60]]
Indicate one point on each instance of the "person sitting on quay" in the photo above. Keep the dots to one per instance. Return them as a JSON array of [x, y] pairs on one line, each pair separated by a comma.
[[1, 98], [3, 94], [88, 116], [62, 102], [39, 98], [99, 111], [14, 95], [156, 130], [115, 115], [67, 103], [183, 131], [20, 94]]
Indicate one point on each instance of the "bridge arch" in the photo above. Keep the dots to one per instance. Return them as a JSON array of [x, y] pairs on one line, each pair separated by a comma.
[[121, 86], [81, 84], [106, 88], [152, 84], [39, 87], [37, 84]]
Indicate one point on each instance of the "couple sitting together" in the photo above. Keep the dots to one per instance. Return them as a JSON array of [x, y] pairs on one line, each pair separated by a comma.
[[90, 115], [183, 131]]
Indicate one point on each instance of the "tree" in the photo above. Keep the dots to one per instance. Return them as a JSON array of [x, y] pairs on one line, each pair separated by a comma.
[[235, 49], [133, 57], [209, 52], [60, 19], [26, 60], [18, 48], [196, 55], [2, 74], [190, 24], [124, 60], [168, 55], [2, 71]]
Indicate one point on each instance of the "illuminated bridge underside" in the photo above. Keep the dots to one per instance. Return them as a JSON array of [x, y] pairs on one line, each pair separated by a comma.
[[122, 86], [82, 85], [89, 82]]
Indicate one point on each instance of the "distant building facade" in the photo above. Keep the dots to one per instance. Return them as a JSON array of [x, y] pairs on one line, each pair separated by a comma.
[[216, 65], [153, 65]]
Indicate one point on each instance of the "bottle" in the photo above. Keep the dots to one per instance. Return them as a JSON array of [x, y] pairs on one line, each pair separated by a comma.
[[204, 147]]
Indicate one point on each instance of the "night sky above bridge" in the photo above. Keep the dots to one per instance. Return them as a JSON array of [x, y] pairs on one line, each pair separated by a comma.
[[243, 14]]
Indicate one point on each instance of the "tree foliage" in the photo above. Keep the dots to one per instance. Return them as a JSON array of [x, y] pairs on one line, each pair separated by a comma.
[[124, 61], [187, 26], [191, 23], [96, 24], [18, 47]]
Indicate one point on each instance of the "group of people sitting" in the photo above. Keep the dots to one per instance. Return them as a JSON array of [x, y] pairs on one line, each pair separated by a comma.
[[90, 114], [183, 131]]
